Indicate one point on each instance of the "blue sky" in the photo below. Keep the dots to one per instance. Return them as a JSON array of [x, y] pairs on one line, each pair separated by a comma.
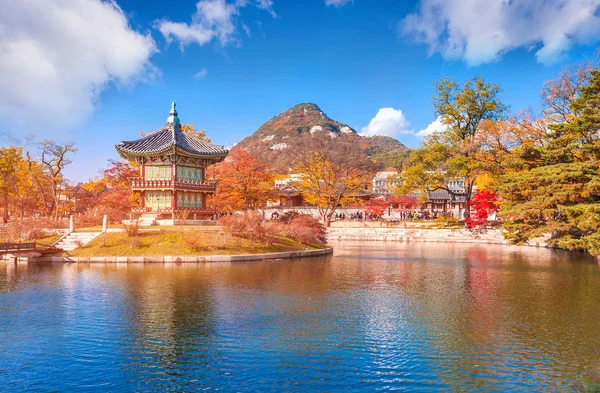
[[98, 72]]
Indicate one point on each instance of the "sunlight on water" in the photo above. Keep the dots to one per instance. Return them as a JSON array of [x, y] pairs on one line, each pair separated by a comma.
[[376, 316]]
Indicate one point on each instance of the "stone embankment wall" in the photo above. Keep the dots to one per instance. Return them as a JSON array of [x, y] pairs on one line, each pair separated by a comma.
[[181, 259], [492, 236]]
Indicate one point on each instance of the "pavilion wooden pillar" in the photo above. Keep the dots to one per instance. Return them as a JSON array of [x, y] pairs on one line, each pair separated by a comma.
[[173, 193]]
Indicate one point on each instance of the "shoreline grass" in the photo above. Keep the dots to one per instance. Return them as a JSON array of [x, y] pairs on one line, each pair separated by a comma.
[[180, 243]]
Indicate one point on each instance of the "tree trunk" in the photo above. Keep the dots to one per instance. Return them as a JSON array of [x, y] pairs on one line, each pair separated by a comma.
[[5, 218]]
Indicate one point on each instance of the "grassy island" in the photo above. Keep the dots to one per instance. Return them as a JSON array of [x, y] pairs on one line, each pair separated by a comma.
[[181, 242]]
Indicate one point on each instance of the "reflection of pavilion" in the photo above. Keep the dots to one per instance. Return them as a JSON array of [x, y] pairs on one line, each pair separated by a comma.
[[172, 170]]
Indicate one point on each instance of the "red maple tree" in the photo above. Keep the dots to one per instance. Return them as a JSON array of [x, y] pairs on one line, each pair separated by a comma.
[[483, 204]]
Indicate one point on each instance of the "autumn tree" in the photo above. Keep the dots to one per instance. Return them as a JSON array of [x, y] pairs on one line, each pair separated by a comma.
[[453, 153], [27, 194], [485, 203], [332, 171], [111, 194], [559, 94], [559, 193], [54, 158], [243, 183], [11, 160]]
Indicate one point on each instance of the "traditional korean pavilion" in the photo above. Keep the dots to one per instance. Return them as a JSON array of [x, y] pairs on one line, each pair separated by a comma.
[[172, 171]]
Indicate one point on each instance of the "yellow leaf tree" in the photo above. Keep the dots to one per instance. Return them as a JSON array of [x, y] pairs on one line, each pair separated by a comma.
[[332, 172]]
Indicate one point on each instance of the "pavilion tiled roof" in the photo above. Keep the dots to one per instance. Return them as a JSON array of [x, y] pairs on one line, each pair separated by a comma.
[[169, 137]]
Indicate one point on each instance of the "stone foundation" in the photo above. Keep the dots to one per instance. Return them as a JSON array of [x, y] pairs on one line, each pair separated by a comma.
[[184, 259], [491, 236]]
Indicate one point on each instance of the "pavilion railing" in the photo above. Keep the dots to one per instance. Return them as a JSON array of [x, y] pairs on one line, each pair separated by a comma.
[[201, 210], [141, 183]]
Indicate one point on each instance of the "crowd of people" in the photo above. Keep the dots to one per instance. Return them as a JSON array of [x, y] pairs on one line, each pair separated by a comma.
[[402, 215]]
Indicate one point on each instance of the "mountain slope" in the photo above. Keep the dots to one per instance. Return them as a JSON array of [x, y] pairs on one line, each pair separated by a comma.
[[271, 140]]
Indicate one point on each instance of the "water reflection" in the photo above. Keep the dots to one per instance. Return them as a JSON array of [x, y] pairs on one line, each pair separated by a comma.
[[380, 316]]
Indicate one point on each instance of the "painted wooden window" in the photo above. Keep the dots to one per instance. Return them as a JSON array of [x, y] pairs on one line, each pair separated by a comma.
[[189, 200], [157, 172], [158, 199], [189, 175]]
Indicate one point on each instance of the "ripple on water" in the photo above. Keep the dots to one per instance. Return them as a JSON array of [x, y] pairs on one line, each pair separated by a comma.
[[376, 317]]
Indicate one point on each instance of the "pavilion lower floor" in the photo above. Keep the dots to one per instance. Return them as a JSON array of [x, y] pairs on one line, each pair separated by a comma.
[[174, 205]]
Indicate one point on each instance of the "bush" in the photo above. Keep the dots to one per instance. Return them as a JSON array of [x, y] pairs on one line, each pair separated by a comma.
[[300, 227], [247, 226], [132, 228], [288, 216], [171, 237], [88, 220], [306, 229], [25, 230], [192, 240]]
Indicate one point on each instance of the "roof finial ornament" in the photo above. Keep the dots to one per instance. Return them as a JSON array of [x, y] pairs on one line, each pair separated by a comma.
[[173, 114]]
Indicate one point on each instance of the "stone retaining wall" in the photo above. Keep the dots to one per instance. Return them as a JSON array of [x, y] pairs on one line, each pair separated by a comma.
[[184, 259], [492, 236]]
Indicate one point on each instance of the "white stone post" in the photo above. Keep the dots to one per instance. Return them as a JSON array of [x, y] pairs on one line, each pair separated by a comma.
[[105, 224], [71, 223]]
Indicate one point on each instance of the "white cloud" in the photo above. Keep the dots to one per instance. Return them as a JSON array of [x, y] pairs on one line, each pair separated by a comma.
[[337, 3], [213, 20], [481, 31], [56, 57], [433, 127], [266, 5], [246, 30], [387, 122], [200, 74]]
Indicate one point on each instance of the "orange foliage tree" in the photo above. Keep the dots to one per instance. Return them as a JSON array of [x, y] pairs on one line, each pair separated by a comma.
[[111, 194], [242, 183]]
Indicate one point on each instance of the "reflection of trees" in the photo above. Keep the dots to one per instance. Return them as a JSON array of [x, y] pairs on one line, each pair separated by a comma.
[[463, 316]]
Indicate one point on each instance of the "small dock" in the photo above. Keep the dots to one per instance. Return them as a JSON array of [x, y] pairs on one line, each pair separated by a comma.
[[22, 248]]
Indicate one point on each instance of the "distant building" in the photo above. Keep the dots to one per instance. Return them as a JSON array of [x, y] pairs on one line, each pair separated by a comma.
[[172, 171], [384, 182]]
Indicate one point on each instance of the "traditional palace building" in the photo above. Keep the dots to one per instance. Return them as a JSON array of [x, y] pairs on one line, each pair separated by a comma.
[[172, 171]]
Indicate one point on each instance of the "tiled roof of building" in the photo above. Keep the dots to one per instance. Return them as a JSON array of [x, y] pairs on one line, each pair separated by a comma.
[[445, 195], [169, 137]]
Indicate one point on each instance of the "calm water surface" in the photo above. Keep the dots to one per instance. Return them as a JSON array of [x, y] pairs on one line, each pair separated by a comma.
[[374, 317]]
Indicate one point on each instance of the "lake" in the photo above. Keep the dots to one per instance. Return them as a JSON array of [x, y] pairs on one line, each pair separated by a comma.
[[373, 317]]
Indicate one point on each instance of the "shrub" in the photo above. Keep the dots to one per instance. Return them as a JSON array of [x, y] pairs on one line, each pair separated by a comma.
[[300, 227], [88, 220], [182, 215], [132, 228], [247, 226], [288, 216], [171, 237], [307, 229], [192, 240], [23, 230]]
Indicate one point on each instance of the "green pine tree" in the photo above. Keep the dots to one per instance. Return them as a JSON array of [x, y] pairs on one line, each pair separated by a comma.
[[560, 193]]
